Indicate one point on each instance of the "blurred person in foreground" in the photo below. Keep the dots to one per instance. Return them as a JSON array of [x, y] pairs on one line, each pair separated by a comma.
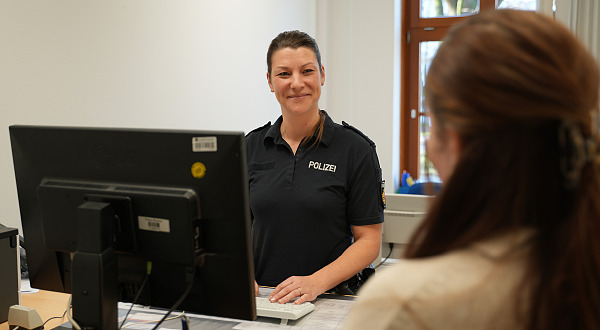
[[511, 242]]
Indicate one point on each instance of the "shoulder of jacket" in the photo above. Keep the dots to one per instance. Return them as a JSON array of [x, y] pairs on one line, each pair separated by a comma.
[[258, 129], [357, 131]]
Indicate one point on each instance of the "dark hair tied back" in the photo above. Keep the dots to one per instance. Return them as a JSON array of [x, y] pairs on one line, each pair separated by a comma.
[[292, 39]]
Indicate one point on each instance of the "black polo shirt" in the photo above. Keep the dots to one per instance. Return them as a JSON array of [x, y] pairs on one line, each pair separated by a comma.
[[304, 204]]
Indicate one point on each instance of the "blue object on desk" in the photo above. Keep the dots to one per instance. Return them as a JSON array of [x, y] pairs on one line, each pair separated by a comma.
[[404, 179], [424, 188], [185, 322]]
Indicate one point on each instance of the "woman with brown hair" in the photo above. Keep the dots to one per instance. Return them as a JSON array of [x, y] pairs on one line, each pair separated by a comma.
[[512, 241], [315, 186]]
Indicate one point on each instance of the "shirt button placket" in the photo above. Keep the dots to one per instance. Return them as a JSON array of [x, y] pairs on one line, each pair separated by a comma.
[[295, 160]]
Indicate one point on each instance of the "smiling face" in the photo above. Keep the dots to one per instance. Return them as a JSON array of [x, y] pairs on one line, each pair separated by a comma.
[[296, 80]]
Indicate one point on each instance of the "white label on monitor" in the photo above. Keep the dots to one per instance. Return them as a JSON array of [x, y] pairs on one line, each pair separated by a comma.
[[204, 144], [154, 224]]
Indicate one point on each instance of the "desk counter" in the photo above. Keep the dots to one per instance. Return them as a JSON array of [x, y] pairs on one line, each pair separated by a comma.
[[329, 314], [48, 304]]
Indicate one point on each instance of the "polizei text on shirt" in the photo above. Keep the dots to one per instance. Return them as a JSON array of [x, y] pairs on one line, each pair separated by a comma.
[[321, 167]]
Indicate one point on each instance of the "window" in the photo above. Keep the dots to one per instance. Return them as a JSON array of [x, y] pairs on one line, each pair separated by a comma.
[[424, 24]]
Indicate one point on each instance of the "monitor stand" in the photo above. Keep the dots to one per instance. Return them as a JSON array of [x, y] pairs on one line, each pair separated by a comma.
[[95, 268]]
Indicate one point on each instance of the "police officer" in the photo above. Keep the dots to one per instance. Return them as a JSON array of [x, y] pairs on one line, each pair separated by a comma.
[[315, 186]]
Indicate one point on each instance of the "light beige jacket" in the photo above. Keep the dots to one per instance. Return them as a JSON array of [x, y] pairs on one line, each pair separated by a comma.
[[472, 288]]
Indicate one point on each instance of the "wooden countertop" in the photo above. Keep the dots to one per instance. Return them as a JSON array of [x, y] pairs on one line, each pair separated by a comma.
[[48, 304]]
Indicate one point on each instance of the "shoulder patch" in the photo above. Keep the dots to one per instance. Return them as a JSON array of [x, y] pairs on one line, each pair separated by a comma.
[[259, 128], [346, 125]]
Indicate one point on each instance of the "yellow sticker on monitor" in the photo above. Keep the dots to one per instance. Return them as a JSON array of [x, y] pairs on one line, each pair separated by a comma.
[[198, 170]]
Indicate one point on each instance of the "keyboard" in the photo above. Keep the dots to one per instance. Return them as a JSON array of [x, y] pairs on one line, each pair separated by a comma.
[[289, 311]]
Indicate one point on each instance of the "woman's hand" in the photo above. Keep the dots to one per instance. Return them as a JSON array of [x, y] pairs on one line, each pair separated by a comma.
[[305, 288], [255, 288], [367, 241]]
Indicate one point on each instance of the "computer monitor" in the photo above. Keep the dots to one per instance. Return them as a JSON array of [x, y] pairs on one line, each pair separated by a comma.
[[109, 201]]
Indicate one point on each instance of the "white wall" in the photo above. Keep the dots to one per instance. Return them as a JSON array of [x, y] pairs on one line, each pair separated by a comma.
[[197, 64], [360, 72]]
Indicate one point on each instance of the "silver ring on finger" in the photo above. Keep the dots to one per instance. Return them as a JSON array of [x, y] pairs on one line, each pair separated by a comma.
[[300, 292]]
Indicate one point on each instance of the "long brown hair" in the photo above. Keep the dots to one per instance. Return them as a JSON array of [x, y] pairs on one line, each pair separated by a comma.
[[522, 93], [316, 133]]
